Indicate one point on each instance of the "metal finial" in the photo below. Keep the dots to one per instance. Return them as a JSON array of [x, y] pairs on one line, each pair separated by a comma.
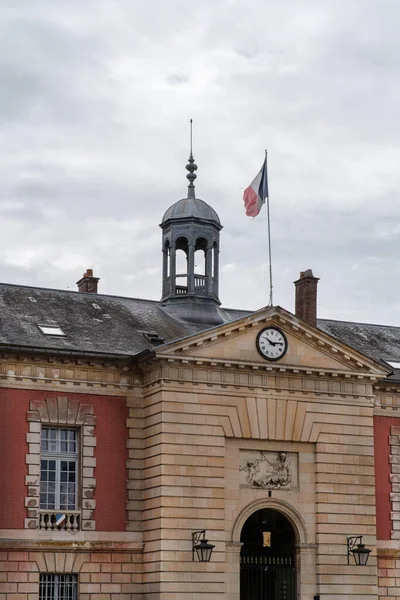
[[191, 166]]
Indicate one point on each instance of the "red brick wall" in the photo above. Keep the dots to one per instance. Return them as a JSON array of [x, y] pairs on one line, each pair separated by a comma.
[[14, 405], [382, 475], [110, 453]]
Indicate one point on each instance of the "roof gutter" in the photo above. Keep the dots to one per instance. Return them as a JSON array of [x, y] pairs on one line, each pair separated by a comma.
[[37, 350]]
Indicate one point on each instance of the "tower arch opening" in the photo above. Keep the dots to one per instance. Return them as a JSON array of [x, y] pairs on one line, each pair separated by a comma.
[[200, 265], [181, 265]]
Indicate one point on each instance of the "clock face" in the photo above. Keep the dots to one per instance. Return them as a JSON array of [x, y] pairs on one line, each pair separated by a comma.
[[271, 343]]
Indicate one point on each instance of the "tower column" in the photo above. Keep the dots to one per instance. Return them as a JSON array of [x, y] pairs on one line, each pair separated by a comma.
[[208, 270], [165, 271], [216, 271], [190, 270], [172, 270]]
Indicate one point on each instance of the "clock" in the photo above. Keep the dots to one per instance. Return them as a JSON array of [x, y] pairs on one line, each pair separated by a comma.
[[271, 343]]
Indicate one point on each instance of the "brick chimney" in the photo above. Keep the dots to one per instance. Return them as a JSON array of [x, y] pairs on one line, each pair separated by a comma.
[[306, 297], [88, 283]]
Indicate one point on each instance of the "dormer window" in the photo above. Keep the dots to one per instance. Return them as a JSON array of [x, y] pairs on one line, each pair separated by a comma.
[[152, 337], [53, 330]]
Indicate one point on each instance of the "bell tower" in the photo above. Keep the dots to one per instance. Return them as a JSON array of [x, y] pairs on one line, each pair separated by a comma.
[[190, 245]]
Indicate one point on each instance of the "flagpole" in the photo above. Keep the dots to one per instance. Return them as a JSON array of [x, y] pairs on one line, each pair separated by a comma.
[[270, 303]]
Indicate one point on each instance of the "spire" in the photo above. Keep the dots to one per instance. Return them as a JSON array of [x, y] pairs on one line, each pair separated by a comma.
[[191, 166]]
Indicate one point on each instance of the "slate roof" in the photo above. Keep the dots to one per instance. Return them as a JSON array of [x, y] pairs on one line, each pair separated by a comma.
[[103, 325], [92, 323], [380, 342]]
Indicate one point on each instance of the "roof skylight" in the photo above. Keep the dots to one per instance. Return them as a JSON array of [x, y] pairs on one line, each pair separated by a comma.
[[394, 364], [51, 330]]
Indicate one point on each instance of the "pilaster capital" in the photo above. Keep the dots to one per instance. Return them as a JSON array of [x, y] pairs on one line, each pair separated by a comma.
[[233, 547]]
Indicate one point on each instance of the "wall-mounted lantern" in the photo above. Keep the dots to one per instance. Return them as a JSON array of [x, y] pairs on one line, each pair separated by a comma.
[[357, 549], [201, 546]]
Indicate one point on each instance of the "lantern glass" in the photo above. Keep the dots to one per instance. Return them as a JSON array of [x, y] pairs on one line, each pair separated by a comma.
[[361, 554], [204, 550]]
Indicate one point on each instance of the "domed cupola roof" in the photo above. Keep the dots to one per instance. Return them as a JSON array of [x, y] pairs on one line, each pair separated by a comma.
[[191, 229], [191, 208]]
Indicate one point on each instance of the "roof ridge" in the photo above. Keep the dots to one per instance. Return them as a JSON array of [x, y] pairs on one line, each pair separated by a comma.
[[358, 323], [91, 294]]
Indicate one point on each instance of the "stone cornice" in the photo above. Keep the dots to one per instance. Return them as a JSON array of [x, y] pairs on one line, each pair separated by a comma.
[[393, 388], [67, 545], [386, 411], [23, 371], [387, 400], [228, 379], [261, 367]]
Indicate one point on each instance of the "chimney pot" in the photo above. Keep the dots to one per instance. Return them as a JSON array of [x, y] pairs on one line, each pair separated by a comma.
[[306, 297], [88, 283]]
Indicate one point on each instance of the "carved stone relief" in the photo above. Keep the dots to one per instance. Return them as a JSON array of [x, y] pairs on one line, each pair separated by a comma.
[[269, 470]]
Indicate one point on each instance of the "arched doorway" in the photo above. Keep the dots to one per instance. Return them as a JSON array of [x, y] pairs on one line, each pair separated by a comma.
[[268, 557]]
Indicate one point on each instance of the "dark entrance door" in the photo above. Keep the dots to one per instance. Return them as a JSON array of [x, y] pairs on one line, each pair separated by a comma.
[[267, 572]]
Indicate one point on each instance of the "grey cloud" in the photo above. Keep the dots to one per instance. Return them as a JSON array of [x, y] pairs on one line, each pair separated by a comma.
[[175, 79], [94, 106]]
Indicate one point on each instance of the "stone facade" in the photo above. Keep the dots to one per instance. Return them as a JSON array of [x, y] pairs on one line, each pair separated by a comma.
[[196, 412], [209, 399]]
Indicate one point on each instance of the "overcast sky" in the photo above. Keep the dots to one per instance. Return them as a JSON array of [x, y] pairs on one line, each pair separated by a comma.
[[95, 102]]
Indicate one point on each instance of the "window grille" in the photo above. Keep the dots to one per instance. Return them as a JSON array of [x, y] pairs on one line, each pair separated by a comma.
[[58, 587], [59, 469]]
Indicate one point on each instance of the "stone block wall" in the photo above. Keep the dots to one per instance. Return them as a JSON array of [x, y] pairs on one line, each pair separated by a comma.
[[190, 481], [389, 577], [183, 491], [101, 575]]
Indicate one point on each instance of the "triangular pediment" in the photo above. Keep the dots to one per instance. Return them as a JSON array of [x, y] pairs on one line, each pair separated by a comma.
[[308, 348]]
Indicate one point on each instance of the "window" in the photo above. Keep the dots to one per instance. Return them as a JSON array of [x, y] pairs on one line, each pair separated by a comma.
[[51, 330], [59, 469], [58, 587]]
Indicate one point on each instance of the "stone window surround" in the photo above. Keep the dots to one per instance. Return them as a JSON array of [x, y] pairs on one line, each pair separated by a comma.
[[61, 410], [394, 460]]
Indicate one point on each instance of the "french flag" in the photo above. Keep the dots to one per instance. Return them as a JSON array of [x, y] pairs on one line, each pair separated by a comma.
[[255, 195], [60, 519]]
